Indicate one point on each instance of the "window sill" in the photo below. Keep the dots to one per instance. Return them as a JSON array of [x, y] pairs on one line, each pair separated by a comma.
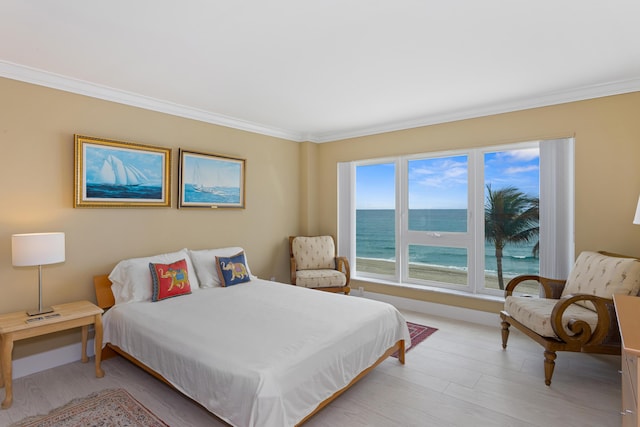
[[426, 289]]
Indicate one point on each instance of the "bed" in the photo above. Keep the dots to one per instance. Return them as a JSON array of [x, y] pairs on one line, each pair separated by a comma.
[[258, 353]]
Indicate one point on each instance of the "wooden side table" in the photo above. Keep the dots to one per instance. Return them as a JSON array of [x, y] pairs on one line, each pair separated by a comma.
[[18, 326], [628, 311]]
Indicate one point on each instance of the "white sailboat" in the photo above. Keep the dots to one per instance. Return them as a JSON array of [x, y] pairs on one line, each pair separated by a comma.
[[198, 184], [115, 172]]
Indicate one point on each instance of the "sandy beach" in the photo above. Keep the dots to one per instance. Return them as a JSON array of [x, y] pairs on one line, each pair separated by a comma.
[[437, 274]]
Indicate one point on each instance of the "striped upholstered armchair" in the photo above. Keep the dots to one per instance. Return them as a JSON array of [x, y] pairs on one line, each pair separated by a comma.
[[314, 264], [576, 314]]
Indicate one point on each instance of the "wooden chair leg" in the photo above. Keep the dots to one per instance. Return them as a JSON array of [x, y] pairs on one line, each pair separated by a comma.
[[549, 364], [505, 333]]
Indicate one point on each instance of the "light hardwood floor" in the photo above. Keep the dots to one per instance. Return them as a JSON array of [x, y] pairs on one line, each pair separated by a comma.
[[460, 376]]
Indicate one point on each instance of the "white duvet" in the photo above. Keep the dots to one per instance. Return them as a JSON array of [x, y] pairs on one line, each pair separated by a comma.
[[259, 353]]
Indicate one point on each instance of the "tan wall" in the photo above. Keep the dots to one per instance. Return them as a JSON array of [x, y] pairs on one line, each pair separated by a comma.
[[308, 218], [607, 176], [36, 135]]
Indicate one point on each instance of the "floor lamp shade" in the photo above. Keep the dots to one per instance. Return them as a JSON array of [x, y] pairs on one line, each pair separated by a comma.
[[37, 249]]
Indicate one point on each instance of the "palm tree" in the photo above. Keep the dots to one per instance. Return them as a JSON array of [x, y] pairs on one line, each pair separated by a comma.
[[510, 216]]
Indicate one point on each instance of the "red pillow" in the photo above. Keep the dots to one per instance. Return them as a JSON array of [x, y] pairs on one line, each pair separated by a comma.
[[169, 280]]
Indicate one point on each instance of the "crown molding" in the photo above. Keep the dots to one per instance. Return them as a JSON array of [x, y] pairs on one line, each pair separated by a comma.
[[80, 87], [544, 100], [56, 81]]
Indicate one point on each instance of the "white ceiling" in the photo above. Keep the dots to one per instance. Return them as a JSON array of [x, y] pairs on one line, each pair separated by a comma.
[[321, 70]]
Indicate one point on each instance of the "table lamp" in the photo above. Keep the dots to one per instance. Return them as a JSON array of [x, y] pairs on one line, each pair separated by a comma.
[[37, 249], [636, 219]]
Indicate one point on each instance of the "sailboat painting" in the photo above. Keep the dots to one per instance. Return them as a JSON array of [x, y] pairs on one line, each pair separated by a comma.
[[112, 173], [211, 181]]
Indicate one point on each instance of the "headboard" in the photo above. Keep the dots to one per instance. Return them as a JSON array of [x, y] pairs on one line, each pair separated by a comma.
[[104, 296]]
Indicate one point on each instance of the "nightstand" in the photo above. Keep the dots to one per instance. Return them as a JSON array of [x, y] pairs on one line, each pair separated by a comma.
[[18, 326], [627, 309]]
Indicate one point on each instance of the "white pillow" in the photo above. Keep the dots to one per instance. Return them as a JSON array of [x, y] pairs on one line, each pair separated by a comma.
[[204, 261], [131, 278]]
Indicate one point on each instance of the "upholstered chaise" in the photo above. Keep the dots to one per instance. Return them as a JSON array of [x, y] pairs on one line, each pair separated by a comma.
[[576, 314], [314, 264]]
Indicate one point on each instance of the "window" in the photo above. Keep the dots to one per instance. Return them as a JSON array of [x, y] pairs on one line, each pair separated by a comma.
[[511, 215], [437, 232], [375, 219], [465, 220]]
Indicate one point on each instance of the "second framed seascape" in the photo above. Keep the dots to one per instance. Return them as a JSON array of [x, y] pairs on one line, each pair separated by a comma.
[[211, 181]]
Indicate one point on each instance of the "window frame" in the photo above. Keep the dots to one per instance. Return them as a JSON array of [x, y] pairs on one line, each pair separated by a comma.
[[463, 240], [473, 240]]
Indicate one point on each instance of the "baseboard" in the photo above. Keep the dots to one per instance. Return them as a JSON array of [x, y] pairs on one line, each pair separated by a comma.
[[50, 359], [442, 310]]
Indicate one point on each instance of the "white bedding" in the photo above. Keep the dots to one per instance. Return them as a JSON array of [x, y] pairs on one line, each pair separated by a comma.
[[258, 353]]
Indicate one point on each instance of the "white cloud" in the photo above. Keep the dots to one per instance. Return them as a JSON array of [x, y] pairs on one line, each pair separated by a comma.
[[520, 169], [523, 155], [440, 174]]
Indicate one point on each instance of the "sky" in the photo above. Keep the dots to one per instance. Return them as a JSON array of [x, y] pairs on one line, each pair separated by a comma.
[[441, 183], [211, 172], [148, 162]]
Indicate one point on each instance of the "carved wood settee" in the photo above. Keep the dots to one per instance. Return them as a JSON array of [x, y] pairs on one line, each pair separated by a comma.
[[576, 314]]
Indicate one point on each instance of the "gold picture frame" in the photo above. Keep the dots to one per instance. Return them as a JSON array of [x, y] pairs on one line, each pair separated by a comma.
[[211, 181], [120, 174]]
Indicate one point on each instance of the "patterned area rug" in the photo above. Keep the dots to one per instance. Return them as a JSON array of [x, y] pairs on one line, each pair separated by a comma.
[[418, 334], [115, 407]]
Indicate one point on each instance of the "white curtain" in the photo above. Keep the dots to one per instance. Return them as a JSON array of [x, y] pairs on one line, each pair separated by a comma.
[[556, 207], [346, 211]]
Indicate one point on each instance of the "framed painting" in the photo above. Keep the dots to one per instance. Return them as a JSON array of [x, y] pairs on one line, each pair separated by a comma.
[[211, 181], [121, 174]]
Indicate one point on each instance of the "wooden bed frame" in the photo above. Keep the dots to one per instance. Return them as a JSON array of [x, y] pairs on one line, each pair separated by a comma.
[[105, 300]]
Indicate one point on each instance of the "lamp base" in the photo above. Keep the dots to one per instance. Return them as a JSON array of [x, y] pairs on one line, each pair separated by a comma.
[[38, 312]]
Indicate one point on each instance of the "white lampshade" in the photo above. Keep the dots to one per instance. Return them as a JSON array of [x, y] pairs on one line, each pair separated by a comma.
[[636, 219], [37, 249]]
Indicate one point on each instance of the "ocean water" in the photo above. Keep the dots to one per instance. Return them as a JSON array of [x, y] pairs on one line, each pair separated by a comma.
[[212, 195], [134, 192], [375, 237]]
